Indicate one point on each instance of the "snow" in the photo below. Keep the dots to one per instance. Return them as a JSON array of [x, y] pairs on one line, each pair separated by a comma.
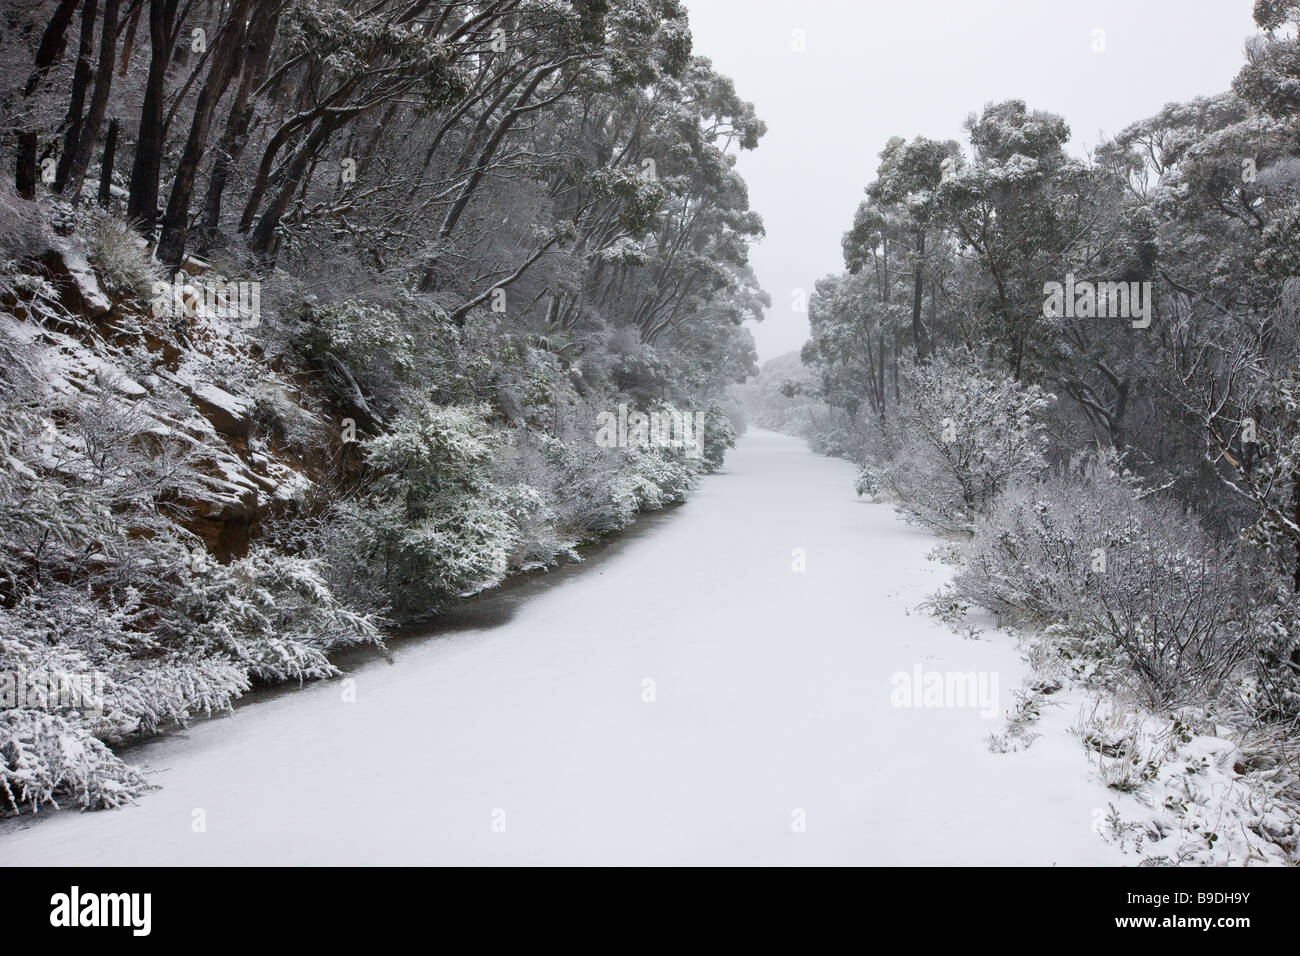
[[220, 399], [69, 365], [772, 696], [83, 276]]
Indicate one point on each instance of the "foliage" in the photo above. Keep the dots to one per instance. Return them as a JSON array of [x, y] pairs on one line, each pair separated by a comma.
[[471, 228], [968, 435], [1135, 573], [120, 259]]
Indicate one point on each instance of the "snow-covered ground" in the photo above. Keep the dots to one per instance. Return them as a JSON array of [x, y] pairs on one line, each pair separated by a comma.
[[772, 736]]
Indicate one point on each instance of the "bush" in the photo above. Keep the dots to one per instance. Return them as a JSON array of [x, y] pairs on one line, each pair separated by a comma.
[[43, 757], [1137, 574], [147, 678], [595, 494], [1274, 694], [659, 477], [596, 490], [433, 525], [101, 584], [969, 434], [370, 352], [719, 435], [120, 258], [270, 614], [539, 543], [1033, 551]]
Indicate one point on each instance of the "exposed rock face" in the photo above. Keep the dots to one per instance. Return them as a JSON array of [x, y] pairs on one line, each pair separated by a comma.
[[76, 282], [242, 478], [228, 414]]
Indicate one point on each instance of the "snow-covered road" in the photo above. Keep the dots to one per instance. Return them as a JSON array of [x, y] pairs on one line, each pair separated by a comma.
[[532, 741]]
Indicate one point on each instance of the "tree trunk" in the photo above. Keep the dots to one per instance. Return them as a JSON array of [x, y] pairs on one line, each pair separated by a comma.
[[225, 58], [142, 205], [489, 150], [106, 164], [262, 241], [128, 45], [235, 137], [98, 99], [282, 136], [897, 351], [918, 327], [25, 165], [1295, 504], [880, 385], [47, 54], [81, 74]]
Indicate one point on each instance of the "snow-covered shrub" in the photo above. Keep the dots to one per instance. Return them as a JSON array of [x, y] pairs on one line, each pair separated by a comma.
[[868, 482], [538, 543], [969, 433], [271, 614], [513, 368], [368, 351], [432, 525], [832, 432], [127, 682], [173, 634], [1137, 575], [530, 488], [143, 680], [1032, 553], [1274, 691], [43, 757], [595, 490], [85, 480], [100, 582], [90, 558], [120, 258], [660, 476], [373, 355], [1018, 733], [719, 435], [1175, 604]]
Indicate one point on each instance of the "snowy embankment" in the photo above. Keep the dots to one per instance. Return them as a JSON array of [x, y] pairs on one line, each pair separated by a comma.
[[690, 699]]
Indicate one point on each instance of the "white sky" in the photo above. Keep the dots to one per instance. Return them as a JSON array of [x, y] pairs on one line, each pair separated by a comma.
[[879, 68]]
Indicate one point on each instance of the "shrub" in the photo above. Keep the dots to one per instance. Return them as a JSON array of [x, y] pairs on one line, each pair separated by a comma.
[[1033, 551], [1137, 573], [595, 490], [969, 434], [1274, 693], [719, 435], [149, 678], [368, 351], [432, 525], [596, 494], [271, 614], [120, 258], [43, 757]]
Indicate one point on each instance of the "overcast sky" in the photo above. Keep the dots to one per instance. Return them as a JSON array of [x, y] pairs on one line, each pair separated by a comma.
[[880, 68]]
